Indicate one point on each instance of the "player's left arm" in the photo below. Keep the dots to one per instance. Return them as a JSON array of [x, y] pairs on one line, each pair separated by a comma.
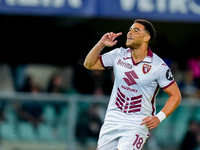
[[170, 106], [174, 99]]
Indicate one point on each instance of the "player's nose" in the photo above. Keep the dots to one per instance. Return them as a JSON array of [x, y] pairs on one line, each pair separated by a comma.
[[129, 33]]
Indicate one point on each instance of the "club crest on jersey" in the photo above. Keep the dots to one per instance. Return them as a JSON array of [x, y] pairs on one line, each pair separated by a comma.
[[146, 68]]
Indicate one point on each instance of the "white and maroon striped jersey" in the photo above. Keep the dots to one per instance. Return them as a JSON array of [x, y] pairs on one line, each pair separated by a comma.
[[135, 85]]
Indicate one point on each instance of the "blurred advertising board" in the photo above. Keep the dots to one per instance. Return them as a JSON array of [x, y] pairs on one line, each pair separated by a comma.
[[160, 10]]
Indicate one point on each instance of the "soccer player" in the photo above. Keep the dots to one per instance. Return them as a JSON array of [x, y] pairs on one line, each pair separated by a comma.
[[139, 73]]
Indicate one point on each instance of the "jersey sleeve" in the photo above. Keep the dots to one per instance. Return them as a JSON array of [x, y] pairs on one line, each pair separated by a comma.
[[165, 77], [107, 59]]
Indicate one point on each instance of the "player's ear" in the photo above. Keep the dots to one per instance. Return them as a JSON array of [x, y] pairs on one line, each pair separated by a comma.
[[147, 38]]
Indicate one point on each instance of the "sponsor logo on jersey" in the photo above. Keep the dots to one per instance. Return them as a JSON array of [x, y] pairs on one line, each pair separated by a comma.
[[124, 64], [169, 75], [131, 76], [146, 68], [128, 88]]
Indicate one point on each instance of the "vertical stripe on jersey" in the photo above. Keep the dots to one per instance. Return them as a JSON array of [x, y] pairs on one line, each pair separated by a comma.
[[153, 99]]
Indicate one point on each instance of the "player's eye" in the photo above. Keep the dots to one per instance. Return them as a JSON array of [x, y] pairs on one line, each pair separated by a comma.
[[136, 30]]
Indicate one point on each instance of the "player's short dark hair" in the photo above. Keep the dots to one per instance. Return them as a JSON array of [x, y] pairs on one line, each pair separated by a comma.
[[148, 27]]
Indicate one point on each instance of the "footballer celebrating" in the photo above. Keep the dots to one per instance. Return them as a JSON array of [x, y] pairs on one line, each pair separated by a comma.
[[139, 74]]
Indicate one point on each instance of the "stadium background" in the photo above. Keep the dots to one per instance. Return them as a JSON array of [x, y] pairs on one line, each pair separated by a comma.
[[41, 41]]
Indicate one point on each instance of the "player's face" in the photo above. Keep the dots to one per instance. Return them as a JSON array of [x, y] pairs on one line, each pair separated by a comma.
[[135, 36]]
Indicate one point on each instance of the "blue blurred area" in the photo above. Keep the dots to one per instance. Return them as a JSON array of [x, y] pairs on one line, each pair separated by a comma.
[[154, 10]]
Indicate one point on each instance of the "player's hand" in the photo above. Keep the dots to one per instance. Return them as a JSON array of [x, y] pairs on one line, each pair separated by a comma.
[[151, 122], [108, 39]]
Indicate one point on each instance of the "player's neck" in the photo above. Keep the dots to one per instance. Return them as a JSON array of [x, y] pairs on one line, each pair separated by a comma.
[[139, 53]]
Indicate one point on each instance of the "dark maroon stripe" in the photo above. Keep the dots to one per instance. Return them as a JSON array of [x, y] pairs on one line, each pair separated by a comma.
[[121, 93], [125, 107], [125, 111], [150, 53], [136, 97], [120, 97], [119, 101], [135, 110], [102, 63], [136, 102], [168, 85], [135, 106], [153, 100], [118, 106]]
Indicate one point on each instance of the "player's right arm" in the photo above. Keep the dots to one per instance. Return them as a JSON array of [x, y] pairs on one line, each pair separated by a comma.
[[92, 60]]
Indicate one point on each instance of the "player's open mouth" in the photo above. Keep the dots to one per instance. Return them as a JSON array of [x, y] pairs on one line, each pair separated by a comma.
[[129, 39]]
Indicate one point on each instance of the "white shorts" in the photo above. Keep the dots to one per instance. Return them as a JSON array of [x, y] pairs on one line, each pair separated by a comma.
[[122, 137]]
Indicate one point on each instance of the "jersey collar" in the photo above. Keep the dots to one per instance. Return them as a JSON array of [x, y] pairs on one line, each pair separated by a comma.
[[149, 56], [147, 59]]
